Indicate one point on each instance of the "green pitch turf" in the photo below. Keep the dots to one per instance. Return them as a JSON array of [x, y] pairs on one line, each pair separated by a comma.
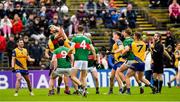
[[167, 95]]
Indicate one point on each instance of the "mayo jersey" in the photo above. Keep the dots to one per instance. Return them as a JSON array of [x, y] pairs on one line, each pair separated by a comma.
[[82, 46], [138, 49], [116, 55], [91, 57], [127, 42], [62, 61], [21, 56]]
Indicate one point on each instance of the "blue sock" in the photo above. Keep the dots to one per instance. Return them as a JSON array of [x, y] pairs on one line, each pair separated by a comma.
[[120, 90], [128, 90]]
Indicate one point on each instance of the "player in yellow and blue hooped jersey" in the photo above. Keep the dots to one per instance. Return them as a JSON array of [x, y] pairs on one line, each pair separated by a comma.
[[117, 48], [138, 48], [19, 65]]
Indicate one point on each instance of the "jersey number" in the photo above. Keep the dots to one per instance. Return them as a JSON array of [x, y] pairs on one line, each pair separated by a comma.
[[140, 47], [83, 44], [64, 54]]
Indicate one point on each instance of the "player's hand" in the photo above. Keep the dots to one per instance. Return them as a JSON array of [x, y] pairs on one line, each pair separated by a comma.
[[32, 60], [109, 52]]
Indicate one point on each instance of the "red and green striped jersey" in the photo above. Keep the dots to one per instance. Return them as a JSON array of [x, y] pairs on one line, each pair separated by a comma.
[[91, 57], [61, 54], [82, 47]]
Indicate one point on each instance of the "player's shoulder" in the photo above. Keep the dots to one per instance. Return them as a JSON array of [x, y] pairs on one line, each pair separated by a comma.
[[65, 48], [119, 42]]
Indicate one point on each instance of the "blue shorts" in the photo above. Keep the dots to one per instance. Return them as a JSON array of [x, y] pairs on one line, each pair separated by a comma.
[[138, 67], [22, 72], [117, 65]]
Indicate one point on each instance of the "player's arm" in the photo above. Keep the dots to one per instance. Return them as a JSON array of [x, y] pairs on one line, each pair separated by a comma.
[[167, 54], [126, 49], [93, 51], [13, 60], [120, 49], [47, 53], [98, 58], [54, 62], [30, 59], [71, 49], [72, 59]]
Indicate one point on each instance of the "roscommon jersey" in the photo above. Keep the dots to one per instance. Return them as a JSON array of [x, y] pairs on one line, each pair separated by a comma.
[[138, 48], [53, 43], [21, 56], [82, 46], [61, 54], [117, 55]]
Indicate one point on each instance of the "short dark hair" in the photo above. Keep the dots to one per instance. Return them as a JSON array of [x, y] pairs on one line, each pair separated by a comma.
[[61, 42], [118, 33], [128, 31], [20, 39], [80, 28], [138, 35], [159, 35]]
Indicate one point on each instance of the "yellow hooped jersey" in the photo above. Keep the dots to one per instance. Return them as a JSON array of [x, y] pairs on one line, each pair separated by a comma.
[[139, 48], [21, 56], [52, 47], [177, 52], [116, 55]]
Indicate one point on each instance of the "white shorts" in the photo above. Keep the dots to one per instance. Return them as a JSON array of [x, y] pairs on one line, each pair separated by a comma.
[[92, 69], [81, 65], [61, 71]]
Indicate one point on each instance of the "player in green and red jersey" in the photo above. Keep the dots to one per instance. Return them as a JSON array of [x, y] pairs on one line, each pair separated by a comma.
[[53, 43], [61, 65], [82, 46]]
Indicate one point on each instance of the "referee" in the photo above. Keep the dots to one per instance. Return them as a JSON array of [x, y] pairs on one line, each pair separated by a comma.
[[157, 57]]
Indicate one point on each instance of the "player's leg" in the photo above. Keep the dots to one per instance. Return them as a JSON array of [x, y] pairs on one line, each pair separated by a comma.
[[67, 90], [26, 77], [84, 81], [95, 77], [155, 81], [117, 76], [53, 76], [129, 74], [119, 82], [74, 78], [111, 81], [139, 83], [173, 79], [160, 82], [178, 79], [59, 84], [18, 81], [145, 81], [83, 77], [120, 72]]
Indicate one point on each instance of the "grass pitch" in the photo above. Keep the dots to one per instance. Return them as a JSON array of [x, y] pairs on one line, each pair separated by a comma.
[[167, 95]]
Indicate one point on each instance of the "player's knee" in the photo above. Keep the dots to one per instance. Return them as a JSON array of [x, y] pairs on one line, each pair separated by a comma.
[[111, 77], [18, 78]]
